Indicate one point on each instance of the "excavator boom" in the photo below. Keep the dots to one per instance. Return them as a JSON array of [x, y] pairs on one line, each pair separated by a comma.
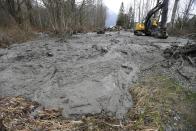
[[149, 27]]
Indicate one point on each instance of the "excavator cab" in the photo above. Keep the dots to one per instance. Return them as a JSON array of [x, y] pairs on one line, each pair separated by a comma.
[[151, 25], [140, 27]]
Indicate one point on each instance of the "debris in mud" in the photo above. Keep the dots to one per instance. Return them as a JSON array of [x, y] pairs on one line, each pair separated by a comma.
[[16, 113], [114, 41], [49, 54], [183, 59], [102, 49], [46, 114], [187, 52], [101, 32]]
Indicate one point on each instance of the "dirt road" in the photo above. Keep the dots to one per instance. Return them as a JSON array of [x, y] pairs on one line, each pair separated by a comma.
[[87, 74]]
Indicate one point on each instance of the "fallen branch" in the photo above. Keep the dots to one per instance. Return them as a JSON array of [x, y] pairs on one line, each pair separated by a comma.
[[76, 122], [151, 66], [112, 124], [190, 60], [192, 34], [188, 79]]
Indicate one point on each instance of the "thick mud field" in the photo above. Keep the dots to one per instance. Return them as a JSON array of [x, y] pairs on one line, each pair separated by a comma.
[[86, 74]]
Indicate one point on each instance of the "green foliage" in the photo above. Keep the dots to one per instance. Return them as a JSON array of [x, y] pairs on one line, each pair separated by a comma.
[[121, 16], [125, 20], [131, 15]]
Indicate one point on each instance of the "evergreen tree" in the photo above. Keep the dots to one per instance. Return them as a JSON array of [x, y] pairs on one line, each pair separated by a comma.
[[121, 16], [131, 16]]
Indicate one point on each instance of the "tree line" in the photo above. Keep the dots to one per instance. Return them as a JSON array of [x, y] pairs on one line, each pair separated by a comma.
[[125, 20], [53, 15]]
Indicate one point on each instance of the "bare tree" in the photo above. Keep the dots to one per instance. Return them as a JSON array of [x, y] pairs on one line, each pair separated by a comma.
[[142, 12], [101, 14], [147, 6], [187, 10], [174, 12], [28, 4], [56, 15], [15, 10], [134, 14], [139, 16]]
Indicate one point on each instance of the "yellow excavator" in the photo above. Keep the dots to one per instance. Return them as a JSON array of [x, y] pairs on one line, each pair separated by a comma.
[[151, 25]]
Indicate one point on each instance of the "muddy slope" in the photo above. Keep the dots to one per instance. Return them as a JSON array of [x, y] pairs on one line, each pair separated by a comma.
[[87, 74]]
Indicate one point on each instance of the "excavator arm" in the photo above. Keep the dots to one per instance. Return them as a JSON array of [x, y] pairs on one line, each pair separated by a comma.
[[163, 25], [161, 31], [148, 17]]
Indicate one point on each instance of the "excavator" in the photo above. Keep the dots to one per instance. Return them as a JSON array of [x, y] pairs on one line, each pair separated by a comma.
[[151, 25]]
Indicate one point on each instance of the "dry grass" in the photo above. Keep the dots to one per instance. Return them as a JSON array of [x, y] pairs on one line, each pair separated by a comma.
[[185, 33], [159, 101], [14, 34], [16, 113]]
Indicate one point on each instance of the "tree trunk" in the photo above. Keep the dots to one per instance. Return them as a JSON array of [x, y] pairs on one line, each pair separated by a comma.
[[142, 15], [164, 14], [187, 10], [14, 9], [140, 12], [29, 8], [134, 13], [19, 16], [174, 13], [146, 8]]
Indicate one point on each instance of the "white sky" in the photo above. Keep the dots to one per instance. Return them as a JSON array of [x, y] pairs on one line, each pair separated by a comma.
[[114, 5]]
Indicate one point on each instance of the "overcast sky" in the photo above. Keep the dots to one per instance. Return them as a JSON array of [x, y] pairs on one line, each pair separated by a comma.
[[114, 5]]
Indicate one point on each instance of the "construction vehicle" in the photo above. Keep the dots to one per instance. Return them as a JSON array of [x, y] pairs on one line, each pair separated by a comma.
[[151, 25]]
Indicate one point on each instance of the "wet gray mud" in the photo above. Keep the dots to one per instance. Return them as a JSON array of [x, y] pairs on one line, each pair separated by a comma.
[[87, 74]]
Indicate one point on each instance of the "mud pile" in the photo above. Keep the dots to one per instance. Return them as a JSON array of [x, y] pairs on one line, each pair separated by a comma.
[[87, 74]]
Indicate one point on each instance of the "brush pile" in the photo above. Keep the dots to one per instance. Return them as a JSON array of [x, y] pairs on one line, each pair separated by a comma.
[[186, 52], [182, 59], [18, 113]]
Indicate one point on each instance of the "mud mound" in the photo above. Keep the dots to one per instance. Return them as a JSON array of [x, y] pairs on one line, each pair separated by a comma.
[[86, 75]]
